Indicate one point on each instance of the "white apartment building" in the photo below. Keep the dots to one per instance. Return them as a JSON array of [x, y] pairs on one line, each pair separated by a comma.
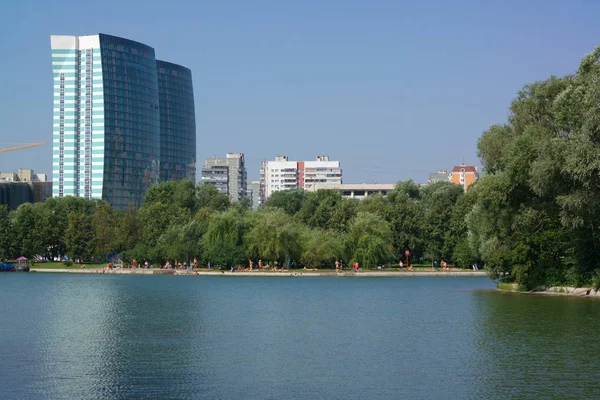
[[282, 174]]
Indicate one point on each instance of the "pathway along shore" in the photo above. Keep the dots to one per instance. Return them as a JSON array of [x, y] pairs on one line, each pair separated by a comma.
[[298, 272]]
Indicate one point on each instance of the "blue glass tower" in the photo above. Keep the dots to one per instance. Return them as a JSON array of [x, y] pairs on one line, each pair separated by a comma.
[[107, 119], [177, 122]]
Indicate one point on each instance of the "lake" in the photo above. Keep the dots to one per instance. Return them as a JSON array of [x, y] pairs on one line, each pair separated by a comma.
[[66, 336]]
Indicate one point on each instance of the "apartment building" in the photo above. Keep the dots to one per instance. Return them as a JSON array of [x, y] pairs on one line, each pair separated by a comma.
[[283, 174], [228, 174]]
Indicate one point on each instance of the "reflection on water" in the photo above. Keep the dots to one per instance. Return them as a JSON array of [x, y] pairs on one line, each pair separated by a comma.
[[115, 337], [539, 346]]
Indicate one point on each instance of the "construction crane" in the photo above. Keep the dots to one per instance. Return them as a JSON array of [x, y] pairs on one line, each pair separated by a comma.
[[21, 147]]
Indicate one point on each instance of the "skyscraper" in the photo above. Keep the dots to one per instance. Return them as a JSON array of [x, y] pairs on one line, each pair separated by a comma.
[[177, 122], [106, 130]]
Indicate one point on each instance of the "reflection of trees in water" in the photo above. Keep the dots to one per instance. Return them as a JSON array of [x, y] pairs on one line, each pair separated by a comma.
[[537, 346]]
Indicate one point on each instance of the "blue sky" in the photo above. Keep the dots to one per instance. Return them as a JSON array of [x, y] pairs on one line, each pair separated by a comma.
[[392, 89]]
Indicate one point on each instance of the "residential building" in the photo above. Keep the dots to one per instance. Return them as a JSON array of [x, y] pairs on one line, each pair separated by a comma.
[[321, 171], [217, 175], [107, 119], [441, 176], [464, 175], [355, 190], [254, 194], [283, 174], [228, 174], [177, 122]]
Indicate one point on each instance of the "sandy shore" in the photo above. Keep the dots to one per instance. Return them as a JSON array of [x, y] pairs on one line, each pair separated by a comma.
[[286, 273]]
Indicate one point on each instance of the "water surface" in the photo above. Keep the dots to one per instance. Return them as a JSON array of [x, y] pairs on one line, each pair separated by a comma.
[[134, 337]]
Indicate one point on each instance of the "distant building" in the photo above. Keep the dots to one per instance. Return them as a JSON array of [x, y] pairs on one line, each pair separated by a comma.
[[228, 174], [254, 194], [464, 175], [42, 191], [356, 190], [23, 187], [13, 194], [283, 174], [9, 177], [27, 175], [441, 176]]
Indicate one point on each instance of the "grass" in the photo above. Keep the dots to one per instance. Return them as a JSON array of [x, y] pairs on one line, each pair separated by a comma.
[[506, 286]]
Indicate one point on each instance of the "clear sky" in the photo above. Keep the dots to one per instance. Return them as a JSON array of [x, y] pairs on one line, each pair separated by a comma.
[[392, 89]]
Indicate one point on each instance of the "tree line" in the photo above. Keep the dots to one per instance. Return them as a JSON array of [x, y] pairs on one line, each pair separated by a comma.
[[536, 220], [181, 221]]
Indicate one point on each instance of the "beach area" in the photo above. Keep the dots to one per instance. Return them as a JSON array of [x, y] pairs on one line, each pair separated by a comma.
[[295, 273]]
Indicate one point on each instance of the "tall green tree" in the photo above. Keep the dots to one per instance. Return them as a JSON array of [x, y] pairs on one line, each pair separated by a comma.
[[223, 242], [273, 235], [79, 236], [368, 240]]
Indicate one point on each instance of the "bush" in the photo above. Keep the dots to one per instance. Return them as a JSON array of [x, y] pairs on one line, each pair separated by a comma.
[[67, 263]]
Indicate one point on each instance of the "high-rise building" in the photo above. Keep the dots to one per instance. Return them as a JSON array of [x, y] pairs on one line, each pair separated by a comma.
[[106, 131], [177, 122], [254, 194], [283, 174], [228, 172], [464, 175]]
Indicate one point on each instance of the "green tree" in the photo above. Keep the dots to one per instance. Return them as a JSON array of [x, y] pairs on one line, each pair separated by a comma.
[[209, 197], [5, 233], [103, 224], [79, 236], [368, 240], [289, 201], [223, 242], [321, 248], [273, 235]]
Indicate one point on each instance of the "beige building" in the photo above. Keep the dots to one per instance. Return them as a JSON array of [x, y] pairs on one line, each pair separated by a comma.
[[355, 190]]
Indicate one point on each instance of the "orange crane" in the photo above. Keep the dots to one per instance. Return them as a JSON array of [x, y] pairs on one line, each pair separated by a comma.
[[21, 147]]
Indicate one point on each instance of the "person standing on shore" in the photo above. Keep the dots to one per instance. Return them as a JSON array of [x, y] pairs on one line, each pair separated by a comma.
[[337, 265], [400, 265]]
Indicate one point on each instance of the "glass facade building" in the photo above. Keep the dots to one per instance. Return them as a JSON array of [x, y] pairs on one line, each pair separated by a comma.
[[177, 122], [107, 119]]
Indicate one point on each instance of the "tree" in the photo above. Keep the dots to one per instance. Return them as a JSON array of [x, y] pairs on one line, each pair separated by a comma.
[[5, 233], [79, 236], [209, 197], [326, 209], [223, 241], [273, 235], [321, 247], [368, 240], [289, 201], [437, 201], [103, 224], [536, 215]]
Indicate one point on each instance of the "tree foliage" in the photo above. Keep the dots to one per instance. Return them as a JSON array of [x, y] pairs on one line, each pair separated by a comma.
[[536, 215]]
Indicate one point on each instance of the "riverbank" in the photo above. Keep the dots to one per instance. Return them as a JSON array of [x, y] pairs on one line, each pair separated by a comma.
[[556, 291], [299, 272]]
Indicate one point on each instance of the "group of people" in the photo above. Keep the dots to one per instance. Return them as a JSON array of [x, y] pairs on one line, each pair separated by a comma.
[[339, 266]]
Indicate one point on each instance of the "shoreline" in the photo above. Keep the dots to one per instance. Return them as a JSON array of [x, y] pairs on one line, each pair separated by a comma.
[[292, 273], [558, 291]]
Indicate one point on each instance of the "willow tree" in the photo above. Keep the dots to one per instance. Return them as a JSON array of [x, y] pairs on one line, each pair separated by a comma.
[[537, 215]]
